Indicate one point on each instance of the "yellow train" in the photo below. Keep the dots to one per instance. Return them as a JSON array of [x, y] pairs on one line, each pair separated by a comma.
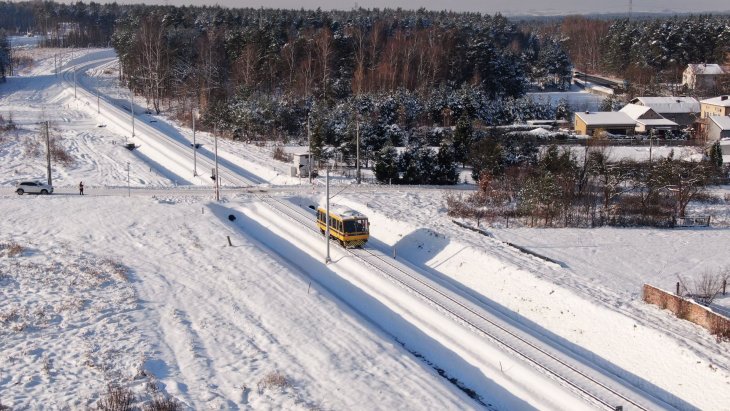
[[349, 227]]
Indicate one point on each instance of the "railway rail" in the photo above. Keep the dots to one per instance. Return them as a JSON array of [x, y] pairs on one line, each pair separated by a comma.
[[595, 385], [180, 151], [586, 379]]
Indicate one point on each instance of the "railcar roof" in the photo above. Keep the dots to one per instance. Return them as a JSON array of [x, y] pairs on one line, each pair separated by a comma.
[[345, 213]]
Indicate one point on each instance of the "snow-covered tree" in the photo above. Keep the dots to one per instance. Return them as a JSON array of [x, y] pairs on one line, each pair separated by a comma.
[[4, 55]]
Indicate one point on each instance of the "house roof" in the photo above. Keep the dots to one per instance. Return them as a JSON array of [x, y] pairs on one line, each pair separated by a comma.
[[718, 101], [606, 118], [635, 110], [670, 104], [660, 122], [722, 121], [706, 69]]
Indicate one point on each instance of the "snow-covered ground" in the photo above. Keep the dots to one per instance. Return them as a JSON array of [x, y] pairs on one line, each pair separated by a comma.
[[146, 292]]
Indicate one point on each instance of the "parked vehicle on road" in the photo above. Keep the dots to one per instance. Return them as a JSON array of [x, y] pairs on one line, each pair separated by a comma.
[[33, 187]]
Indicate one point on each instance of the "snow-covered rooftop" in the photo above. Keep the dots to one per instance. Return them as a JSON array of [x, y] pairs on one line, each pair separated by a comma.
[[635, 110], [718, 101], [615, 118], [722, 121], [669, 104], [706, 69], [660, 122]]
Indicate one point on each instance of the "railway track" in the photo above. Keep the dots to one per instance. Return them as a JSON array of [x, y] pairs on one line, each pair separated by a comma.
[[597, 386], [178, 151]]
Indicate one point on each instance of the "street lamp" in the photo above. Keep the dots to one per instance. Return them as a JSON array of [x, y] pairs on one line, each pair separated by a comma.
[[129, 189], [327, 258], [193, 114], [309, 144], [357, 143], [131, 105], [217, 188]]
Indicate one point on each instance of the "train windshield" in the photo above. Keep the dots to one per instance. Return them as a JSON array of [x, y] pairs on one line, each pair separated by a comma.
[[356, 226]]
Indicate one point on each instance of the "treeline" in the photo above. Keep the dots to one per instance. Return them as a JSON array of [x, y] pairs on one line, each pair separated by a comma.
[[646, 51], [561, 189], [213, 55], [65, 25]]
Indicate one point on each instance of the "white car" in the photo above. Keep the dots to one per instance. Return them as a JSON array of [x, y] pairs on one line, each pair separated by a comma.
[[33, 187]]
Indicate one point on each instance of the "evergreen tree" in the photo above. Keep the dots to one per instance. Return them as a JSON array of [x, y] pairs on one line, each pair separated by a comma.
[[408, 164], [463, 135], [427, 166], [446, 172], [386, 165], [486, 156], [716, 155], [4, 55]]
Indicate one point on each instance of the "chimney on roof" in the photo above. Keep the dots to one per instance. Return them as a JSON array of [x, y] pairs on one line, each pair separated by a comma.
[[679, 101], [588, 112], [723, 98]]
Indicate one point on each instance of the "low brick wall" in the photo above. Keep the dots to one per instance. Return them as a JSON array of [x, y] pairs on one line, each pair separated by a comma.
[[688, 310]]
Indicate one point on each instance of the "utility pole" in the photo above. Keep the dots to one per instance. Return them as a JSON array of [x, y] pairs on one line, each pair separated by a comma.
[[311, 158], [217, 189], [129, 189], [48, 152], [327, 219], [651, 141], [195, 147], [357, 138], [131, 104]]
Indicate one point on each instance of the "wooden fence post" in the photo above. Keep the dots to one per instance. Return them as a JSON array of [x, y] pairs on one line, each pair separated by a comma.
[[677, 288], [229, 241]]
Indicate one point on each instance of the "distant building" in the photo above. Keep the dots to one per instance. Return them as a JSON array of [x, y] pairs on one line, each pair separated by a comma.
[[718, 127], [716, 106], [682, 110], [613, 122], [701, 76], [647, 119]]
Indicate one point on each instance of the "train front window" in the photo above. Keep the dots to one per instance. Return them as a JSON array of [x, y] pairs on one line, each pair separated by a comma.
[[356, 226]]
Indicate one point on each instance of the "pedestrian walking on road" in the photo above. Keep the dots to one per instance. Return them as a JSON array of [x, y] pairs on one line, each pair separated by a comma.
[[81, 188]]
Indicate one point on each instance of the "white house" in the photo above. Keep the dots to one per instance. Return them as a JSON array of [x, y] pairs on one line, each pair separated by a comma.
[[647, 119], [682, 110], [701, 76], [718, 127]]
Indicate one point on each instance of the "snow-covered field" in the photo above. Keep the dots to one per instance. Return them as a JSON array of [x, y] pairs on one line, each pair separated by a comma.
[[145, 291]]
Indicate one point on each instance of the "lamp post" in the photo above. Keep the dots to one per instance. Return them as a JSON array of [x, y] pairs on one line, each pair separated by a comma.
[[309, 144], [193, 114], [129, 189], [48, 153], [357, 143], [217, 188], [327, 259], [131, 105]]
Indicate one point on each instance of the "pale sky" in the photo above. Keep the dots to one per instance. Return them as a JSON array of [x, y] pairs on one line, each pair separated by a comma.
[[512, 7]]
